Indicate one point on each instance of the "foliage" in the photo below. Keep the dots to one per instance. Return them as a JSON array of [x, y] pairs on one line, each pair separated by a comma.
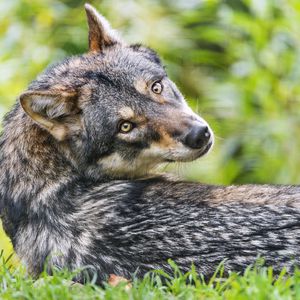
[[256, 283]]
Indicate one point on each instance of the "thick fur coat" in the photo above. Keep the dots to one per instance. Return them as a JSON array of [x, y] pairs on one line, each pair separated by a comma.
[[76, 187]]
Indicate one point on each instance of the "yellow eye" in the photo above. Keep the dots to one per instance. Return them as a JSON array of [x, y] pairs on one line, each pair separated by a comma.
[[125, 127], [157, 87]]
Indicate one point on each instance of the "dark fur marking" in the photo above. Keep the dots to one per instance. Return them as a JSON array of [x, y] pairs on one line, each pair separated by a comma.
[[98, 77], [149, 53]]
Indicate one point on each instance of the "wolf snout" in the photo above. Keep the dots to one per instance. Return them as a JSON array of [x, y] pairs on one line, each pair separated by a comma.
[[198, 136]]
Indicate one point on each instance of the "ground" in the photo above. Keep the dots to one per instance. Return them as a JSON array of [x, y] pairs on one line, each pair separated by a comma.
[[256, 283]]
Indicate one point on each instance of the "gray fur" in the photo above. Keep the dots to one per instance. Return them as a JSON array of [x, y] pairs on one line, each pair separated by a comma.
[[76, 190]]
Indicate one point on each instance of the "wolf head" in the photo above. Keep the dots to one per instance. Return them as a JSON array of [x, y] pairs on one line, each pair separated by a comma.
[[114, 108]]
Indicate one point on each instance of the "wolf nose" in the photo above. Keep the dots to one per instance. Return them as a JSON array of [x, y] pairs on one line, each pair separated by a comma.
[[198, 137]]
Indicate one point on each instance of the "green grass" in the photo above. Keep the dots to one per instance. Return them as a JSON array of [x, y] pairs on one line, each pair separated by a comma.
[[256, 283]]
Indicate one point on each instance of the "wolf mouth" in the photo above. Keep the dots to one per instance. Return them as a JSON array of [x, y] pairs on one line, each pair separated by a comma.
[[206, 149], [201, 152], [194, 156]]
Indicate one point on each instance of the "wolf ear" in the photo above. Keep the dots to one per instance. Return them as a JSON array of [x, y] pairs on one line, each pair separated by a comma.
[[56, 111], [100, 33]]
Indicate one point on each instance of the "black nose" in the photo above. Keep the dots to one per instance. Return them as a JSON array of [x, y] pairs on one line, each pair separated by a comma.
[[197, 137]]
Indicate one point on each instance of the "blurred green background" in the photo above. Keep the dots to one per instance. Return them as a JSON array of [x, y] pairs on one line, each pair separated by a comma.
[[237, 63]]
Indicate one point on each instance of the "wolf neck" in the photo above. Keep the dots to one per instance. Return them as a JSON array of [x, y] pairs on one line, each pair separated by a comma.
[[31, 162]]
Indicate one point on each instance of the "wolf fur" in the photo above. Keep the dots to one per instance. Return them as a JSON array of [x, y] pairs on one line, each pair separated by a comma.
[[76, 191]]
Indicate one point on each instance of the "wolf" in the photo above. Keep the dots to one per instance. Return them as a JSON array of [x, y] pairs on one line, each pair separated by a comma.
[[78, 187]]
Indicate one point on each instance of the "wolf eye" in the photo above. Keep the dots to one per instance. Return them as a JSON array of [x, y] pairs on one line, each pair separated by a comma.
[[125, 127], [157, 87]]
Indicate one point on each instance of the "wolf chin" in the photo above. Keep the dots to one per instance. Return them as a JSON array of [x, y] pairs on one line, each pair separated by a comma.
[[78, 188]]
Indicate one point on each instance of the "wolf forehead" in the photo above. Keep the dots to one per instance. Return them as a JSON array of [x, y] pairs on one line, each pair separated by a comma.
[[117, 66]]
